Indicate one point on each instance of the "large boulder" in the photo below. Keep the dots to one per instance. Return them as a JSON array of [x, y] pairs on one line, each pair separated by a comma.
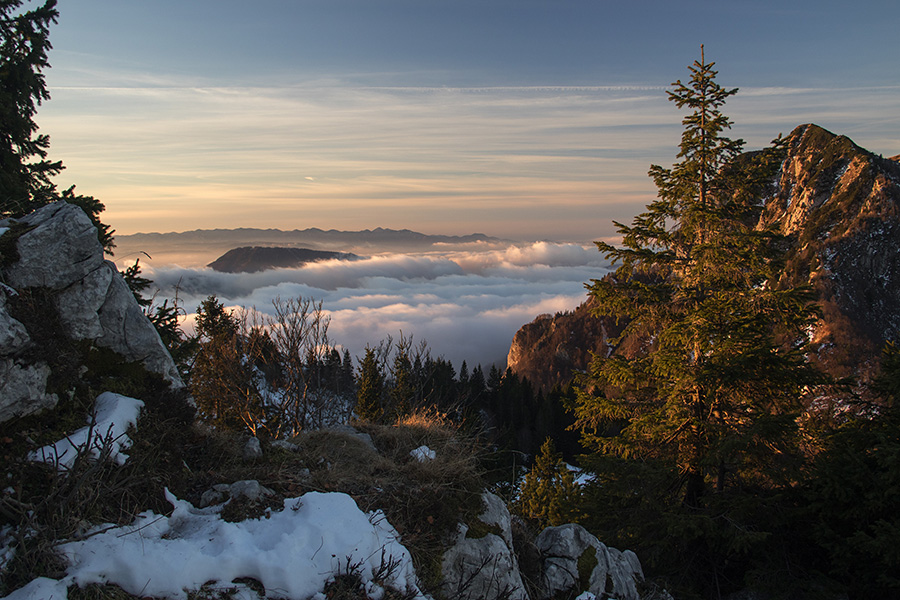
[[481, 564], [23, 383], [58, 251], [572, 557]]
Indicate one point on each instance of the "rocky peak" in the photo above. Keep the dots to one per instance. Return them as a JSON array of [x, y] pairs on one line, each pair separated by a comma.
[[839, 205], [552, 348], [828, 187]]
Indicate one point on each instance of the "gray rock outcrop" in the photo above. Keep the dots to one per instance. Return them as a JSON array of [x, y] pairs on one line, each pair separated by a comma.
[[58, 251], [23, 384], [573, 557], [482, 563]]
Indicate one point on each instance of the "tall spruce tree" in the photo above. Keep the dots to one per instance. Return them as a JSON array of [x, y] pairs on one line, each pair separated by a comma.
[[711, 389], [25, 170]]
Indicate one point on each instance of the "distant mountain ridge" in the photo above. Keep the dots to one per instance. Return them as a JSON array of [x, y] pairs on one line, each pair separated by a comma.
[[252, 259], [200, 246], [376, 235], [839, 205]]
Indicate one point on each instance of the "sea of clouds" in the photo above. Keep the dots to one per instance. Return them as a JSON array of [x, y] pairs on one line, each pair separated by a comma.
[[466, 304]]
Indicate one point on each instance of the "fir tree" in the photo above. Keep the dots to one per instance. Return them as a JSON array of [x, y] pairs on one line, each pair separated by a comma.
[[549, 493], [221, 378], [370, 388], [25, 170], [713, 389], [699, 406], [213, 321], [403, 390]]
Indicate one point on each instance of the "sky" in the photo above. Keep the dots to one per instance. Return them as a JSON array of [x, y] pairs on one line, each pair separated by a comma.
[[524, 119]]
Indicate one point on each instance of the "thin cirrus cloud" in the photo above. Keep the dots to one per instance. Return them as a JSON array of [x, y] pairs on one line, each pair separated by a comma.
[[530, 162], [465, 305], [347, 157]]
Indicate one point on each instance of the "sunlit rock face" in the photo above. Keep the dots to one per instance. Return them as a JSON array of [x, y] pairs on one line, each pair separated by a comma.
[[839, 205], [552, 348], [56, 251]]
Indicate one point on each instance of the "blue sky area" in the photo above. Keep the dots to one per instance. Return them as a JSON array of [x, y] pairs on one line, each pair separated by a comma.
[[526, 119]]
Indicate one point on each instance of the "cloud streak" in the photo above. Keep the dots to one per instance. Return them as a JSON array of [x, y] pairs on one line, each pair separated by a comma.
[[529, 162], [466, 305]]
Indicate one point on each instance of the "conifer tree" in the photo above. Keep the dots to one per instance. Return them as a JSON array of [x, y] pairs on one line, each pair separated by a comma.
[[25, 170], [370, 388], [403, 390], [221, 378], [549, 493], [712, 390]]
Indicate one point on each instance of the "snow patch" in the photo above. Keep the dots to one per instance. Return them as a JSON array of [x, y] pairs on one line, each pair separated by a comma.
[[293, 553], [581, 476], [113, 415], [423, 454]]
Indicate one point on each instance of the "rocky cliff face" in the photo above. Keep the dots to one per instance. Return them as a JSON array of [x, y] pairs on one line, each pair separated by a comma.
[[840, 206], [53, 268], [550, 349]]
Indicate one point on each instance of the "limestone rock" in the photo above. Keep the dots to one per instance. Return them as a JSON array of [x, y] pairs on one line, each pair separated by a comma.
[[484, 567], [350, 430], [79, 304], [127, 331], [252, 449], [22, 386], [567, 547], [13, 336], [23, 389], [59, 251], [285, 445], [247, 489]]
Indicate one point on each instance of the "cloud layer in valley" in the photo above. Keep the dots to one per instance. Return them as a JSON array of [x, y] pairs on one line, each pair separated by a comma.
[[466, 305]]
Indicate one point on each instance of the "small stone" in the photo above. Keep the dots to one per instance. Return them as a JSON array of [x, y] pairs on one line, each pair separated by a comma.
[[250, 489], [211, 497], [285, 445], [252, 449]]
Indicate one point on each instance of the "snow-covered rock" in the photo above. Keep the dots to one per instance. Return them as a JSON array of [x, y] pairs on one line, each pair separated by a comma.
[[483, 565], [567, 547]]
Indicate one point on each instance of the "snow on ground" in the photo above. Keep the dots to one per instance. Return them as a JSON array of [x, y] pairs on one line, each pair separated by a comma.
[[293, 552], [423, 454], [113, 415], [581, 476]]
